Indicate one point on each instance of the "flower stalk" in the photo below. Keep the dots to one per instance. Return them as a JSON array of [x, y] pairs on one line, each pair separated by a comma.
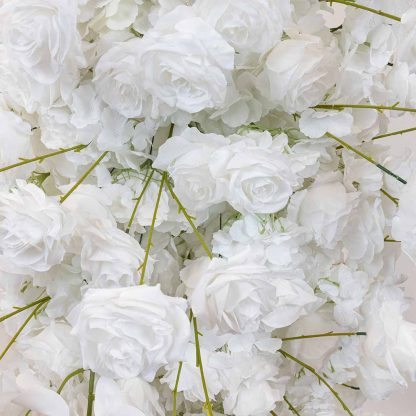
[[23, 308], [290, 406], [91, 395], [84, 176], [318, 376], [326, 334], [362, 7], [369, 106]]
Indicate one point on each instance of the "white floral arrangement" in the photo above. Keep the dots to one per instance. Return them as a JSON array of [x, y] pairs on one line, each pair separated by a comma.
[[197, 215]]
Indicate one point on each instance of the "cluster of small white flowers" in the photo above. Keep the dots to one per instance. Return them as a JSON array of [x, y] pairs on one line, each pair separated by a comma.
[[196, 214]]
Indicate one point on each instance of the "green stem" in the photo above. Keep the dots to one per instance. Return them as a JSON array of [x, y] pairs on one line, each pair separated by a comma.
[[189, 219], [366, 157], [370, 106], [67, 378], [273, 413], [368, 9], [290, 406], [319, 377], [91, 395], [42, 157], [201, 368], [326, 334], [175, 390], [152, 227], [391, 197], [23, 308], [22, 327], [393, 133], [84, 176], [145, 186]]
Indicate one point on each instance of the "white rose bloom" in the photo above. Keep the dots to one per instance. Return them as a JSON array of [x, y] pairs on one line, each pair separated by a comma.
[[129, 332], [110, 257], [298, 73], [324, 208], [404, 223], [256, 172], [186, 158], [252, 385], [119, 81], [250, 28], [34, 228], [390, 345], [186, 64], [39, 35], [239, 296], [15, 143]]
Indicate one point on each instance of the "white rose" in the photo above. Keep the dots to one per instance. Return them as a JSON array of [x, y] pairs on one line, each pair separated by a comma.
[[186, 158], [324, 208], [252, 27], [240, 296], [39, 35], [186, 64], [129, 332], [118, 79], [15, 143], [34, 228], [298, 73], [256, 172], [110, 257]]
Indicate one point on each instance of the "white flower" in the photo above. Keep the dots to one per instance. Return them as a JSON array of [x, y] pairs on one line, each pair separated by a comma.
[[257, 174], [252, 385], [34, 229], [390, 345], [316, 124], [129, 332], [324, 208], [186, 64], [250, 28], [39, 35], [15, 143], [298, 73], [110, 257], [118, 79], [239, 296], [186, 157], [404, 223], [133, 397]]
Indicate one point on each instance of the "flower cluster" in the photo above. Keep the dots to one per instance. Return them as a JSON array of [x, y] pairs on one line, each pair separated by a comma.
[[196, 212]]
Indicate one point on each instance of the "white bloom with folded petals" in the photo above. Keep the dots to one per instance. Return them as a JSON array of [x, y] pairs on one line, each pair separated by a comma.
[[34, 229], [131, 331]]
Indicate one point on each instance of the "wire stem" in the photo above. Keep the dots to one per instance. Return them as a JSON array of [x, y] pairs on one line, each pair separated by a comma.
[[319, 377], [208, 405], [290, 406], [84, 176], [67, 378], [151, 229], [394, 133], [370, 106], [368, 9], [366, 157], [326, 334], [23, 308], [175, 390], [91, 395], [42, 157]]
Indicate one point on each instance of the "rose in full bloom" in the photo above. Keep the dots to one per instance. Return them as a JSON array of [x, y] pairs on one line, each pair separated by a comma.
[[131, 331], [186, 157], [240, 296], [39, 36], [298, 73], [186, 64], [250, 28], [34, 229], [256, 172]]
